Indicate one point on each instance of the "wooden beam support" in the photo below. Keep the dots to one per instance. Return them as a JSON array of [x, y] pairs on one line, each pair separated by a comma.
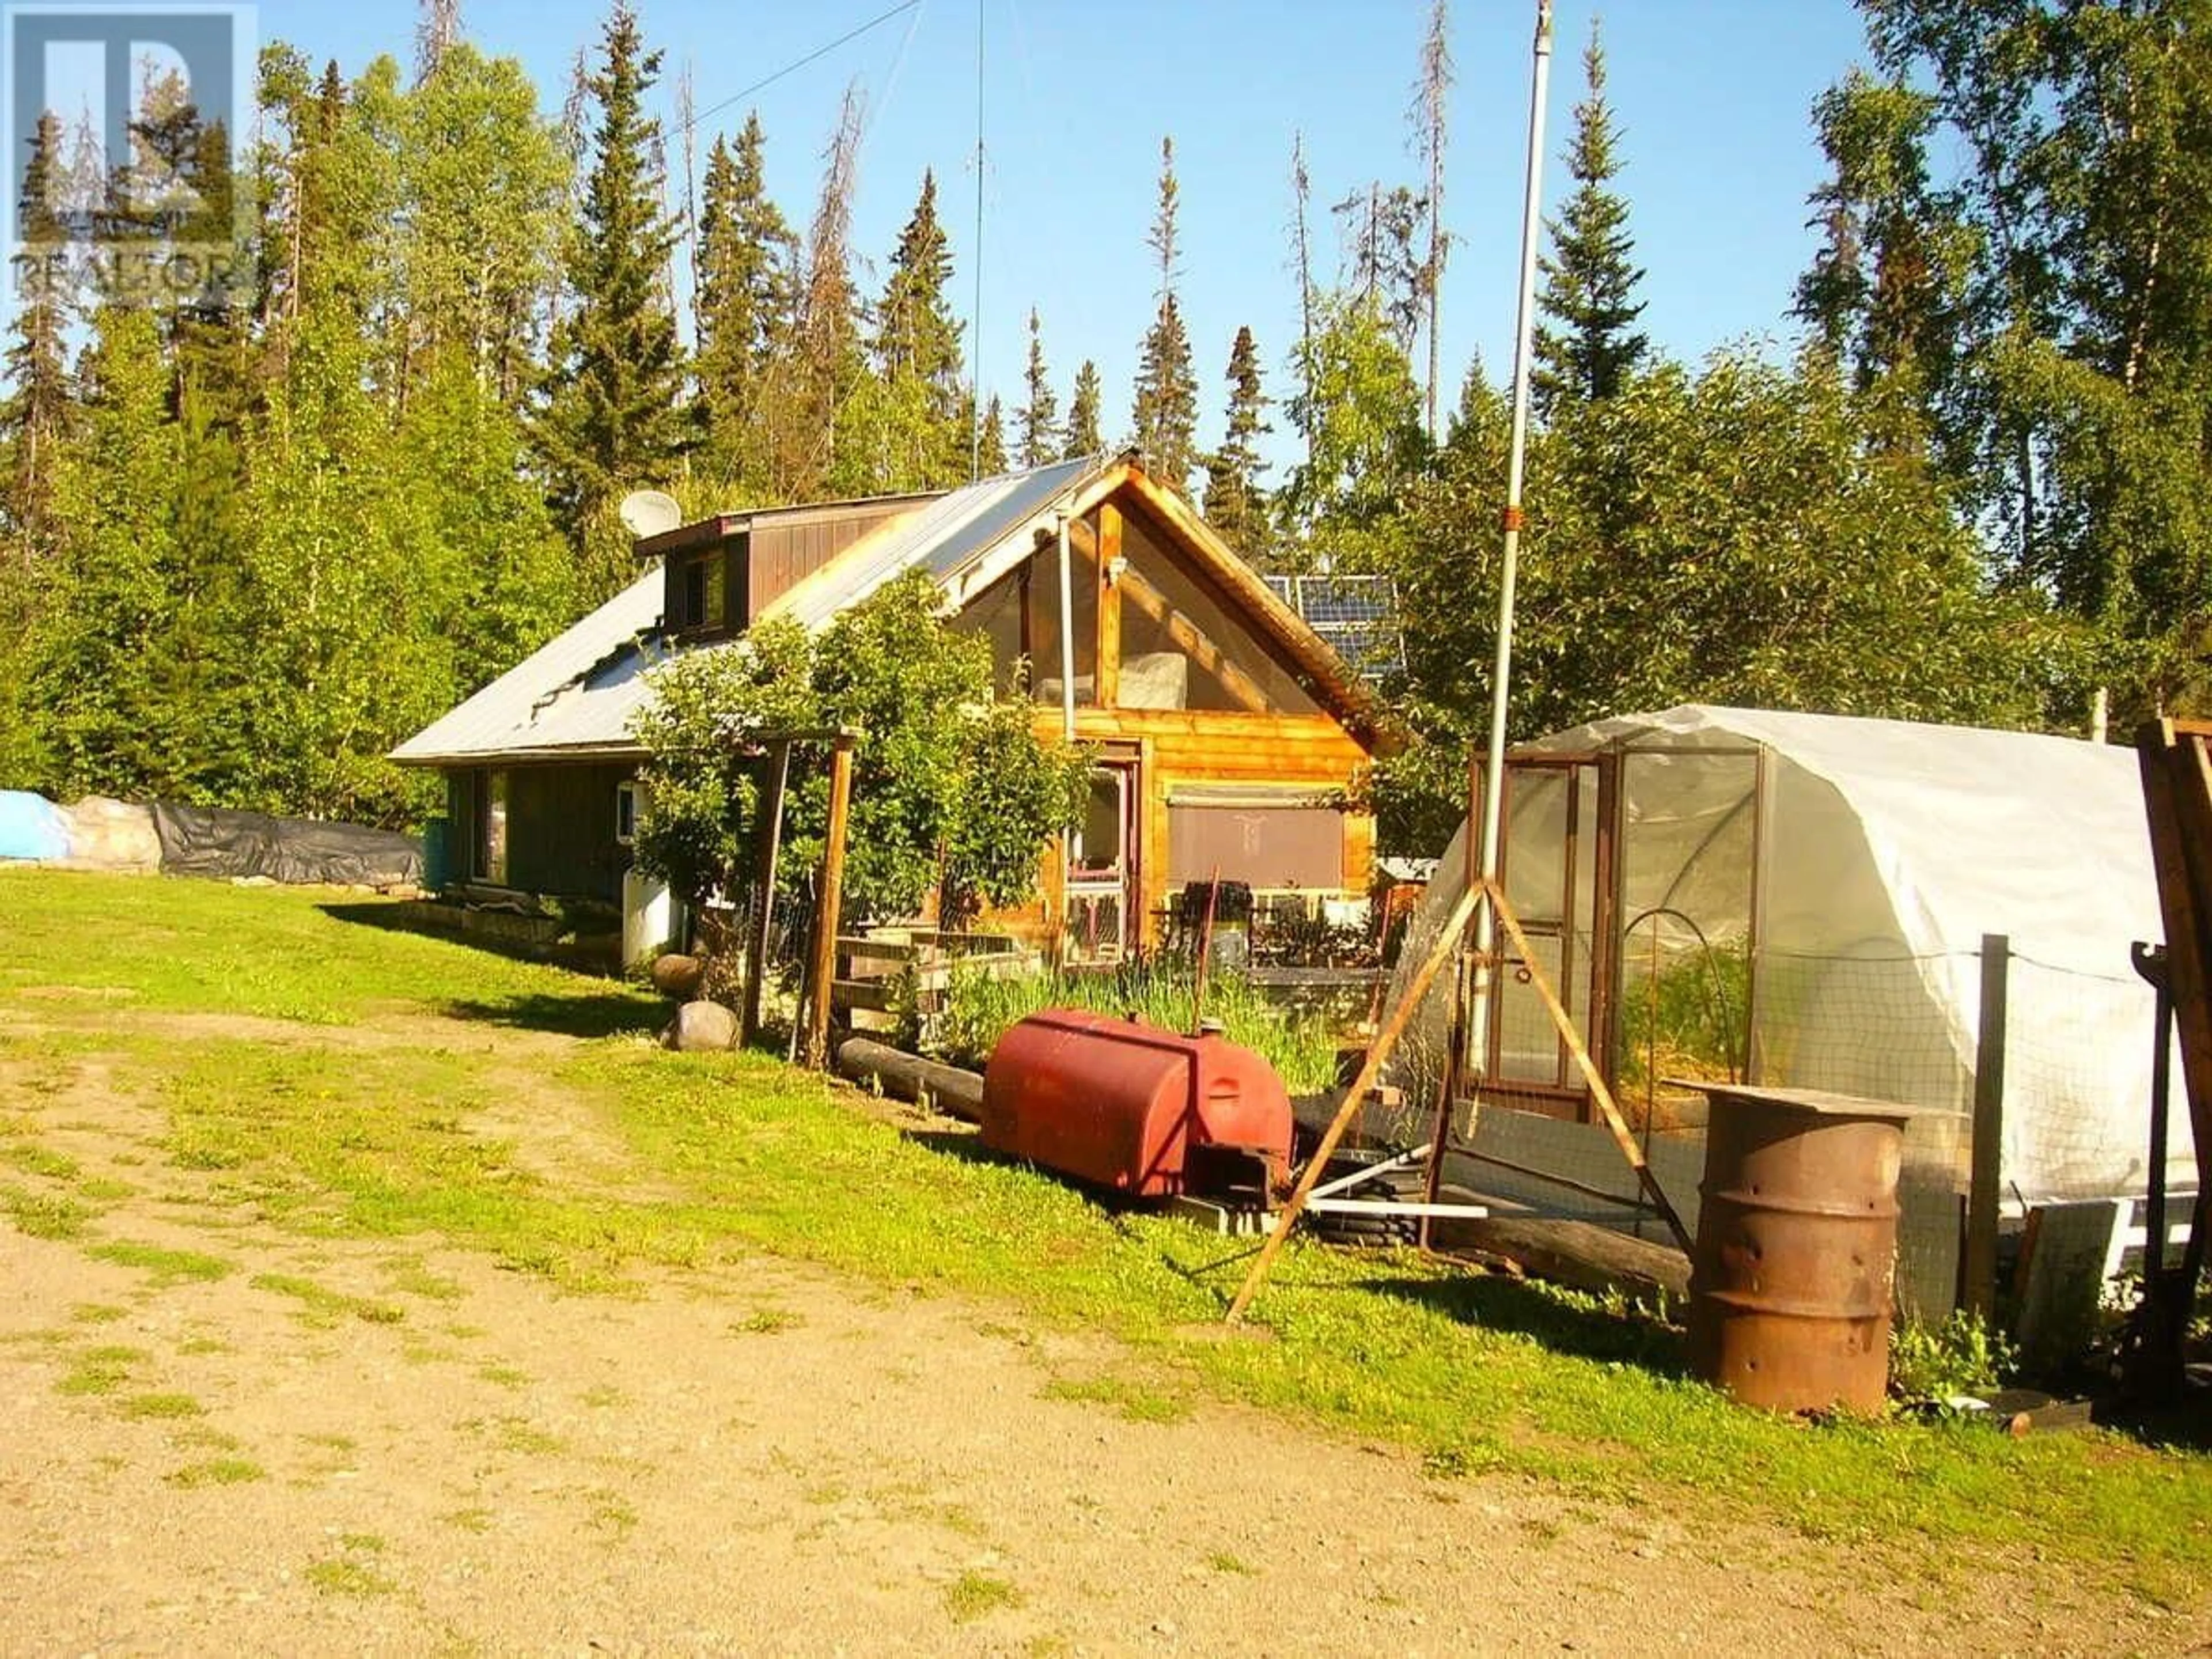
[[2177, 797], [1599, 1092], [829, 895], [1194, 641], [1977, 1266], [779, 776], [1105, 552], [1446, 944]]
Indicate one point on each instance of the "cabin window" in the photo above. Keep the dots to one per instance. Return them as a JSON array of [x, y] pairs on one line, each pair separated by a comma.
[[1271, 846], [698, 591], [1098, 886], [491, 828], [629, 810]]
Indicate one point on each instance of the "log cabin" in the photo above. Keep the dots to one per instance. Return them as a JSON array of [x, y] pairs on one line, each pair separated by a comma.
[[1226, 735]]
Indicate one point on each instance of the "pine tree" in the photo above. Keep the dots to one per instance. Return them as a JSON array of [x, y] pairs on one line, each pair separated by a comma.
[[744, 303], [1236, 505], [991, 449], [1083, 435], [612, 418], [1385, 269], [1302, 261], [201, 707], [1166, 407], [1041, 412], [179, 189], [1585, 351]]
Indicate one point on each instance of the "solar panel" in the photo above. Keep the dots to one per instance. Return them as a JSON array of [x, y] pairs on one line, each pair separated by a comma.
[[1357, 616]]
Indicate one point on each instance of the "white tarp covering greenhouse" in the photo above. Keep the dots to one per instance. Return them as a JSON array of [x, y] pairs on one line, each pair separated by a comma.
[[1853, 866]]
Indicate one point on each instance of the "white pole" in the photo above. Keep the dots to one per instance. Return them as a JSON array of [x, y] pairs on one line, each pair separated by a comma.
[[1066, 634], [1067, 711], [1493, 776]]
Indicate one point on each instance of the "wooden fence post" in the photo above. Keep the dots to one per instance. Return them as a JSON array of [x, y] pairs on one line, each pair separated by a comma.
[[1978, 1268], [771, 845], [832, 889]]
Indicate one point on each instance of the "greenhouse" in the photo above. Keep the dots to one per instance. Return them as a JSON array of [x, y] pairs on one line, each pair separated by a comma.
[[1803, 899]]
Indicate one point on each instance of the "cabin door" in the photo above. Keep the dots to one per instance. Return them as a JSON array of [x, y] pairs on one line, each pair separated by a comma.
[[1103, 890], [1556, 859]]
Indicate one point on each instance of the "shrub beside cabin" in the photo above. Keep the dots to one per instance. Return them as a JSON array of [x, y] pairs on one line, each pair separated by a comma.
[[1224, 730]]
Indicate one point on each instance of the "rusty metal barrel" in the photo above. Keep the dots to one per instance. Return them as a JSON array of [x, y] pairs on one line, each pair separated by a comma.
[[1790, 1295]]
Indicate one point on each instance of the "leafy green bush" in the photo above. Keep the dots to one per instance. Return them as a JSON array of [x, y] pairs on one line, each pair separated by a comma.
[[951, 788], [1932, 1363], [980, 1006], [1688, 1019]]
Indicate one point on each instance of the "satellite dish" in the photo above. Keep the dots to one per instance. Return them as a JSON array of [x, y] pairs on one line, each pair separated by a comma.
[[649, 512]]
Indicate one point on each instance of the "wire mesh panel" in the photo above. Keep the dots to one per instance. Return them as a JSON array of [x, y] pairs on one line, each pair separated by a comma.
[[2068, 1031]]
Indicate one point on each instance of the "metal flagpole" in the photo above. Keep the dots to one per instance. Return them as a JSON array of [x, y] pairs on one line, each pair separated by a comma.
[[1493, 776]]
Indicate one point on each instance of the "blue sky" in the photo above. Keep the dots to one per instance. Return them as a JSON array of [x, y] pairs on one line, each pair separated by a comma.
[[1712, 95]]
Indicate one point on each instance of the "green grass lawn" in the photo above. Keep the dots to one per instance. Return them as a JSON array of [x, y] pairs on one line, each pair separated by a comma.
[[1479, 1374]]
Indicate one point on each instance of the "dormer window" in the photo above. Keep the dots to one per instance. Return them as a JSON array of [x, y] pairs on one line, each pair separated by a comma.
[[698, 592]]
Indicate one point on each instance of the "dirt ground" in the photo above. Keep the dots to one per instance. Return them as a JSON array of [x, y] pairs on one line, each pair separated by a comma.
[[770, 1458]]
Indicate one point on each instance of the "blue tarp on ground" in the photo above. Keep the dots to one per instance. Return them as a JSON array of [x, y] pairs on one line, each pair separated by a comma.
[[31, 827]]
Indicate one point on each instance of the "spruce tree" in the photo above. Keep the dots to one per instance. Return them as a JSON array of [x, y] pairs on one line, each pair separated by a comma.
[[37, 407], [612, 417], [746, 290], [179, 190], [1041, 412], [1585, 351], [1166, 407], [991, 449], [917, 339], [1083, 435], [915, 331], [1236, 505]]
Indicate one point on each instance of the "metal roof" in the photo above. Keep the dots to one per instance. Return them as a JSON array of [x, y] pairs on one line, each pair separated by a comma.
[[945, 536], [573, 696], [577, 696]]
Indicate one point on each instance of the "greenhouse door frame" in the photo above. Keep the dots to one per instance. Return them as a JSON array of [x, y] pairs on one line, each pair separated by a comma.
[[1585, 982]]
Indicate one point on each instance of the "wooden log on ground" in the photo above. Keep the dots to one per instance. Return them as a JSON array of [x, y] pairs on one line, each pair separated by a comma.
[[1578, 1253], [951, 1090]]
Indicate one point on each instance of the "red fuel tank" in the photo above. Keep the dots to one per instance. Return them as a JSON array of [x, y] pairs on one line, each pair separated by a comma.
[[1128, 1106]]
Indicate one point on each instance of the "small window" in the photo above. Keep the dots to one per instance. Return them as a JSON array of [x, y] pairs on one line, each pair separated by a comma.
[[629, 810], [699, 591]]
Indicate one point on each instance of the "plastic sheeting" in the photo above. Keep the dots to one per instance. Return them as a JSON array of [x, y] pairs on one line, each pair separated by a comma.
[[105, 834], [200, 840], [1885, 850], [31, 827]]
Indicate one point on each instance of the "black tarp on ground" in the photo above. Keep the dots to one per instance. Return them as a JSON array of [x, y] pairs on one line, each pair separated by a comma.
[[204, 841]]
